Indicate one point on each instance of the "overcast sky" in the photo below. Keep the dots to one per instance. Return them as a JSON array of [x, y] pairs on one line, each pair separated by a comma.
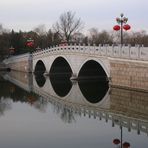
[[27, 14]]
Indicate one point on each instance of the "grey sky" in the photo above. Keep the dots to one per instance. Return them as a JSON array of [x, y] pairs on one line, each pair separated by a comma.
[[101, 14]]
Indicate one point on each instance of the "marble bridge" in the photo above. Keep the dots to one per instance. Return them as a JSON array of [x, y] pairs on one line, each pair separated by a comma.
[[124, 66]]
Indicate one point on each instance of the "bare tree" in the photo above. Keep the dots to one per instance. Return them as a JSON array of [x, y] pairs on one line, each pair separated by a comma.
[[40, 29], [94, 34], [67, 25], [102, 37]]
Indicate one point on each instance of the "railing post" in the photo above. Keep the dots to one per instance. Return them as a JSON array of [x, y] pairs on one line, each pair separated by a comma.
[[94, 47], [99, 49]]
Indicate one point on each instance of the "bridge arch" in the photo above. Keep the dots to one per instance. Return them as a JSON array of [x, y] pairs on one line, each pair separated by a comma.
[[74, 61], [40, 80], [39, 67], [60, 67], [101, 67]]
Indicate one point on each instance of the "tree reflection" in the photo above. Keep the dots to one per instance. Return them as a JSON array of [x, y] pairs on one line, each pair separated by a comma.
[[5, 104], [66, 113], [38, 102], [11, 93]]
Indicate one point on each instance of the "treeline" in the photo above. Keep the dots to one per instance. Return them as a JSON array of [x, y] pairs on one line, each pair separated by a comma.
[[18, 41], [68, 28]]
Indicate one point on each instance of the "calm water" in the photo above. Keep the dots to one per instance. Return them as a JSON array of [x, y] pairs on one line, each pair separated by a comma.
[[39, 112]]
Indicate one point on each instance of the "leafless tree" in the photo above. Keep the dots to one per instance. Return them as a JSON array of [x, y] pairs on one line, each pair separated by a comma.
[[102, 37], [67, 25], [40, 29]]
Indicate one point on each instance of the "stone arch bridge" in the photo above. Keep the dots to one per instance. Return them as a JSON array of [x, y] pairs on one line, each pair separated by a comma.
[[124, 66]]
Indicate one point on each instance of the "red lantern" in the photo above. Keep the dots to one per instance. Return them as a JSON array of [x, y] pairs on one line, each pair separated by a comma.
[[30, 42], [126, 145], [116, 141], [116, 27], [126, 27], [11, 50]]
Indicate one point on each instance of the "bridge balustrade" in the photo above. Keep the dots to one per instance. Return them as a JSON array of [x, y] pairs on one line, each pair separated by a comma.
[[127, 52]]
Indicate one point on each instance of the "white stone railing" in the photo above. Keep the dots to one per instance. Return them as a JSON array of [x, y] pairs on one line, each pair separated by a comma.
[[126, 52]]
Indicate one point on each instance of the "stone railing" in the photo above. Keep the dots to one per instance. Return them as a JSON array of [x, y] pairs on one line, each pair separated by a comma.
[[125, 52]]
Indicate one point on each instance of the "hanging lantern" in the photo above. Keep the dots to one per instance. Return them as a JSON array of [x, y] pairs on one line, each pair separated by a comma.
[[116, 27], [126, 145], [116, 141], [126, 27], [11, 50], [30, 42]]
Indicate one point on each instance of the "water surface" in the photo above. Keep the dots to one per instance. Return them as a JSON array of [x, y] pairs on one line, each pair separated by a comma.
[[40, 112]]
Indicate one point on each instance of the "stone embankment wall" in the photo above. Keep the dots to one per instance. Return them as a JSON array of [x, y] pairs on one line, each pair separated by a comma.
[[129, 74], [20, 63], [129, 103]]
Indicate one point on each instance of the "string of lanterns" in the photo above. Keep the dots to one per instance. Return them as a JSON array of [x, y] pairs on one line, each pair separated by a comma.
[[121, 21]]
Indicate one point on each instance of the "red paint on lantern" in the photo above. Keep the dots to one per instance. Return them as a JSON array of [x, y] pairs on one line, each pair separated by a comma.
[[30, 44], [116, 27], [126, 27]]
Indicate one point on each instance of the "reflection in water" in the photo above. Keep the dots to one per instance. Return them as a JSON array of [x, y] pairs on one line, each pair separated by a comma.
[[94, 90], [61, 85], [128, 109], [40, 79], [5, 104], [10, 93], [66, 114]]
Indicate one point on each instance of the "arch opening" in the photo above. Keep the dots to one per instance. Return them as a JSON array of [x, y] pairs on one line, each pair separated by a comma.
[[61, 86], [60, 74], [40, 80], [93, 81], [60, 68], [92, 70], [93, 90], [40, 68]]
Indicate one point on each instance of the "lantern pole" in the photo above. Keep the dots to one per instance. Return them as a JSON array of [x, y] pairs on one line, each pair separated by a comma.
[[121, 132], [121, 20], [121, 28]]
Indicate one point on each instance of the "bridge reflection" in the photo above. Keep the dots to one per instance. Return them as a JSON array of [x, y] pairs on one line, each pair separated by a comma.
[[93, 90], [61, 85], [124, 108]]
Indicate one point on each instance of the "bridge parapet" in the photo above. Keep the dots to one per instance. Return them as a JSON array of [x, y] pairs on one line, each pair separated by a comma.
[[125, 52]]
